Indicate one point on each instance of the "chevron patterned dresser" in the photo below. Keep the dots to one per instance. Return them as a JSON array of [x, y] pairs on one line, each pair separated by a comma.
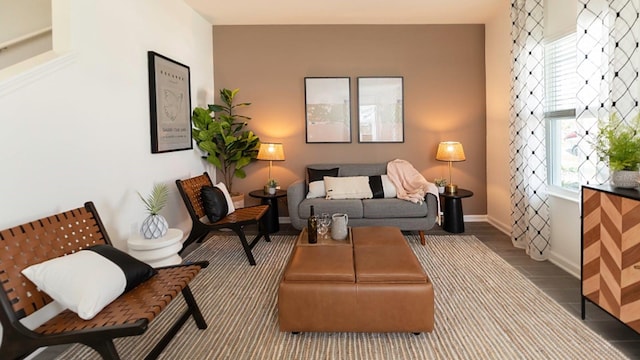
[[611, 251]]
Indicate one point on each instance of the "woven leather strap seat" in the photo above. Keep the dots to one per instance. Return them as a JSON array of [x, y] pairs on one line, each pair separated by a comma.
[[141, 304], [130, 314], [190, 190]]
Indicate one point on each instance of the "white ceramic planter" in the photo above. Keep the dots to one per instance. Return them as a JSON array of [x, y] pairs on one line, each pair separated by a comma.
[[625, 179]]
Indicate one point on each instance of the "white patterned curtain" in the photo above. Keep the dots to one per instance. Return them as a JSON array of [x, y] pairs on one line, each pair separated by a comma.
[[608, 33], [528, 165]]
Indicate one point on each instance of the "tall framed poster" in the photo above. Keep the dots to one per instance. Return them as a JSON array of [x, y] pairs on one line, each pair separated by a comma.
[[170, 104]]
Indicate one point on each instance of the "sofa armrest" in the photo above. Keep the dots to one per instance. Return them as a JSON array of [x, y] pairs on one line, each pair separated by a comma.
[[433, 208], [295, 195]]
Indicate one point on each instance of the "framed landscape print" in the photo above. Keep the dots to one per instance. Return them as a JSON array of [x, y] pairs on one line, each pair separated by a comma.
[[169, 104], [328, 109], [380, 109]]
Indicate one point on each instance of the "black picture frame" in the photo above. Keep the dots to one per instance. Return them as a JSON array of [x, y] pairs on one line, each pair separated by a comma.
[[327, 109], [169, 104], [381, 109]]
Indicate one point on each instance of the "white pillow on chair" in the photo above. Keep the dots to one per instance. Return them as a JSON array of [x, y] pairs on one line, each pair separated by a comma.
[[227, 196]]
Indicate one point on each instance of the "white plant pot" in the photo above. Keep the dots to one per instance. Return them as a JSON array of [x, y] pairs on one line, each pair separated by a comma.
[[154, 226], [625, 179]]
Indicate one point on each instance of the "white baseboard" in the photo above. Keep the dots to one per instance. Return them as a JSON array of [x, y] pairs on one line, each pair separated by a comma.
[[564, 264], [475, 218], [499, 225]]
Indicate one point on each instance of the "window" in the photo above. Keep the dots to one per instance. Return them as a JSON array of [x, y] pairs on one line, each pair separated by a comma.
[[560, 113]]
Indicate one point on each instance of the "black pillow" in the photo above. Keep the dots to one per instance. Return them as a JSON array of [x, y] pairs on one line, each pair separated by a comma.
[[375, 183], [319, 174], [135, 271], [214, 203]]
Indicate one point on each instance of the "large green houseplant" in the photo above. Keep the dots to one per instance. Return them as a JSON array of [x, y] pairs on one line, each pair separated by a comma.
[[220, 132], [618, 144]]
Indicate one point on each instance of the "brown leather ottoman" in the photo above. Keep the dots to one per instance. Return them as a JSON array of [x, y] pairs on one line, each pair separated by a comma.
[[372, 282]]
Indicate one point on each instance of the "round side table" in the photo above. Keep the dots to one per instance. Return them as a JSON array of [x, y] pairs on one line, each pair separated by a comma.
[[157, 252], [453, 217], [270, 219]]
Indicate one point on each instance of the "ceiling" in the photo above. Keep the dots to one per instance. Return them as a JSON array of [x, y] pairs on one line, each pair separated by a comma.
[[289, 12]]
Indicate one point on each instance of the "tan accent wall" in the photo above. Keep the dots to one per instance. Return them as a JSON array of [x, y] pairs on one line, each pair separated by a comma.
[[444, 94]]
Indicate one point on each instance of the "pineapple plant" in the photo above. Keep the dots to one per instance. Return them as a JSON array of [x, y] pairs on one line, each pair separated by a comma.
[[155, 225]]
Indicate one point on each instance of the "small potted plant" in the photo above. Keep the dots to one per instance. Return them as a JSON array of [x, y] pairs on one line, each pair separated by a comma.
[[618, 144], [440, 183], [155, 225], [271, 187]]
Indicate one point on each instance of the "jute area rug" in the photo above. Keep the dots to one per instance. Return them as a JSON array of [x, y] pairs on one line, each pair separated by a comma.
[[485, 309]]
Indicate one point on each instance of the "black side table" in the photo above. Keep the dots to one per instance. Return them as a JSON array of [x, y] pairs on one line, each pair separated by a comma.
[[270, 219], [453, 217]]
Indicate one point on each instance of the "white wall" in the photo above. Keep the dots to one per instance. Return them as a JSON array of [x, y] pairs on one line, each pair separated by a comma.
[[498, 65], [80, 131]]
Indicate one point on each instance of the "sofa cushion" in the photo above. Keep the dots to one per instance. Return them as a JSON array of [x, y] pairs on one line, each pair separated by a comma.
[[362, 169], [392, 208], [353, 208]]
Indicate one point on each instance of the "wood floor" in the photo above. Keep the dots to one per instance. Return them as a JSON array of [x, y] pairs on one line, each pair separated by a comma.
[[558, 284]]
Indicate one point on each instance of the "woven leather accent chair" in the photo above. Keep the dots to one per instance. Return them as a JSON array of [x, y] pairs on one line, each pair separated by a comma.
[[128, 315], [201, 227]]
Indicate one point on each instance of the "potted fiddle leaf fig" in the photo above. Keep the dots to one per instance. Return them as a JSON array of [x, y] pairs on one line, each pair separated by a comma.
[[221, 133], [155, 225], [618, 144]]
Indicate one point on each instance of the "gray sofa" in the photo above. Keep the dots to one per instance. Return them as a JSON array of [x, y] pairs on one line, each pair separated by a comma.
[[367, 212]]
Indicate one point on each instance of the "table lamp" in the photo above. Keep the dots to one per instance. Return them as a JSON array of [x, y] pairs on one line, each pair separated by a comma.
[[272, 152], [450, 151]]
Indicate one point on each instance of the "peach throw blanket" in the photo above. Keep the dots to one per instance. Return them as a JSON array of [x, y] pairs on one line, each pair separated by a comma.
[[410, 184]]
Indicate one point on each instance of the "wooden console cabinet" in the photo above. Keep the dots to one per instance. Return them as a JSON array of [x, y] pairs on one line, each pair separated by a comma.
[[611, 251]]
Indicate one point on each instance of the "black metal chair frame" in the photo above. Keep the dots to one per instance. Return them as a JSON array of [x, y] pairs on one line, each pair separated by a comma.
[[62, 234], [190, 192]]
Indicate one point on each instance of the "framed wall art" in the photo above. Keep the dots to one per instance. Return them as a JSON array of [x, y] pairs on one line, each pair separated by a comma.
[[170, 104], [328, 109], [380, 109]]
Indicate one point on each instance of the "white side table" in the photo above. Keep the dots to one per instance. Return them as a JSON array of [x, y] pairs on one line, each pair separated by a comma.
[[157, 252]]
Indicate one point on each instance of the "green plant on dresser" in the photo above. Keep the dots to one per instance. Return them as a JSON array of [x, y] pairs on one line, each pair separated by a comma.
[[618, 144]]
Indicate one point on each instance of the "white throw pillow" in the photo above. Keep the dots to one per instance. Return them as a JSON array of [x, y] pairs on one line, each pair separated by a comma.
[[316, 190], [88, 280], [389, 188], [348, 187], [227, 196]]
